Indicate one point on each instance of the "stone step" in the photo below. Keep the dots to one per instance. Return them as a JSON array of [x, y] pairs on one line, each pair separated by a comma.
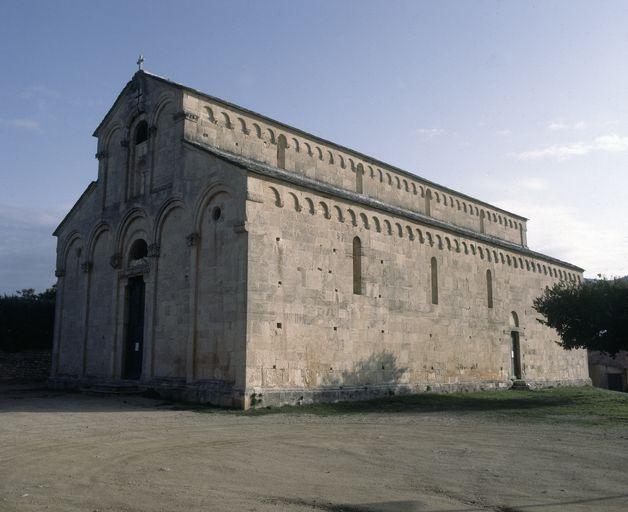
[[520, 385], [122, 388]]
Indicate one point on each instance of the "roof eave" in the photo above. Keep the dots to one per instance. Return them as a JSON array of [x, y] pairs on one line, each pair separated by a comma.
[[85, 193]]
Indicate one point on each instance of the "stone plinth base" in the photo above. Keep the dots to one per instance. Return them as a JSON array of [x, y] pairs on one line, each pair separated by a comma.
[[225, 394], [265, 397], [204, 392]]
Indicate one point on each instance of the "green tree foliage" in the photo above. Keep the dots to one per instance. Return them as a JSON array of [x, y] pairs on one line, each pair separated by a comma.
[[26, 320], [591, 315]]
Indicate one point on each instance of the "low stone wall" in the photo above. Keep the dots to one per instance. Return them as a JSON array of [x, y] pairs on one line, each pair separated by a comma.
[[27, 366]]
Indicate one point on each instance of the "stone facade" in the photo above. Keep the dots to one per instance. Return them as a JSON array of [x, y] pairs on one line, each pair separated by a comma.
[[225, 257]]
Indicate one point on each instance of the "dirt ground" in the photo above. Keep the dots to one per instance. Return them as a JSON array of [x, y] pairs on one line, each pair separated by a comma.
[[72, 452]]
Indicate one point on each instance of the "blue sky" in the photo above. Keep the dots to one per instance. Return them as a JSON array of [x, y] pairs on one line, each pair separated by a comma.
[[522, 104]]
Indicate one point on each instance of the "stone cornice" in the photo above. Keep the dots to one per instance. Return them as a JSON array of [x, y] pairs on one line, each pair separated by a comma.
[[154, 250], [115, 261], [79, 201], [185, 114], [332, 191]]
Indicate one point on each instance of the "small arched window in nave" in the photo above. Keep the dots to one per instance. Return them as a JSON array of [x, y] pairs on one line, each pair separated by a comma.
[[357, 266], [489, 289], [282, 144], [359, 179], [434, 279]]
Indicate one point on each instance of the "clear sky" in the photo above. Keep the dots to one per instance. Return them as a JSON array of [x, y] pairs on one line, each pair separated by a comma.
[[521, 104]]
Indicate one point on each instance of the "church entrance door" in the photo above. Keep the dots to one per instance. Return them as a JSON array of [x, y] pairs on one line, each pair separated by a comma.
[[134, 341], [515, 355]]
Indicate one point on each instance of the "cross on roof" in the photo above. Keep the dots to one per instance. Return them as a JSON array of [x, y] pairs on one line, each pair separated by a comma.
[[140, 62]]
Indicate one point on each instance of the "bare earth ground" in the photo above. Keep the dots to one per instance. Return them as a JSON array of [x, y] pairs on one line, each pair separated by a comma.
[[72, 452]]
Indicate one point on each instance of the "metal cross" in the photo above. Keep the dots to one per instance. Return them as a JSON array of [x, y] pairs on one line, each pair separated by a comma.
[[140, 63]]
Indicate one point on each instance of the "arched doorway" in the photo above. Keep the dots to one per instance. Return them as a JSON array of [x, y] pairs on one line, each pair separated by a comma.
[[515, 348], [134, 314]]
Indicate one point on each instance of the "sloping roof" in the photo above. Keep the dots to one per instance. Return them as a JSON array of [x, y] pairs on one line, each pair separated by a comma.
[[84, 195]]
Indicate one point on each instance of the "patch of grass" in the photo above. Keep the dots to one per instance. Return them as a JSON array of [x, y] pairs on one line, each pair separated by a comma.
[[582, 405]]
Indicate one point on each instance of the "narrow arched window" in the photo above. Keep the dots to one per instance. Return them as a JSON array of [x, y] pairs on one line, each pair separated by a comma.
[[523, 242], [434, 280], [357, 266], [137, 161], [482, 229], [141, 132], [428, 202], [489, 289], [137, 252], [359, 173], [282, 144]]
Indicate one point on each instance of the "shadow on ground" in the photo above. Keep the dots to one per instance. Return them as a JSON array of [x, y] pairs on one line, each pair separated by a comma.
[[418, 506]]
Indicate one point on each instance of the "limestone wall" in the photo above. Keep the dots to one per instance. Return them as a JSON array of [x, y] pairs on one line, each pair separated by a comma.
[[244, 133], [308, 330]]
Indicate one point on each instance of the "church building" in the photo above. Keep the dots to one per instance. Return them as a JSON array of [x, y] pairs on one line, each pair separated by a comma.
[[225, 257]]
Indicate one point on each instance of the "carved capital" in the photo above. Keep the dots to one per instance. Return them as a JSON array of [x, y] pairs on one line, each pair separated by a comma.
[[153, 250], [59, 272], [124, 143], [87, 267], [115, 261], [185, 114], [240, 228], [192, 239], [101, 155]]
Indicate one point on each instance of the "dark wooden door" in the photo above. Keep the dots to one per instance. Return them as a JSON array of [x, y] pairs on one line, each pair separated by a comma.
[[134, 342], [516, 355]]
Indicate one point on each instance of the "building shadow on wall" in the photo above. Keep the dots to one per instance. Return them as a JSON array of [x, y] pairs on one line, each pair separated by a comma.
[[380, 370], [377, 384]]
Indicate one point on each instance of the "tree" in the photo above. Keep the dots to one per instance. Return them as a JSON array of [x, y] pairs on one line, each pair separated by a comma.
[[26, 320], [591, 315]]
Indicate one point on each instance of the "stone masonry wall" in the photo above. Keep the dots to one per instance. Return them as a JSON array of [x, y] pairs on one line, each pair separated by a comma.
[[308, 331]]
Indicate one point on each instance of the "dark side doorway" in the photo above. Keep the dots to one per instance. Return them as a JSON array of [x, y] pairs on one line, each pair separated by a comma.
[[134, 339], [615, 382], [516, 355]]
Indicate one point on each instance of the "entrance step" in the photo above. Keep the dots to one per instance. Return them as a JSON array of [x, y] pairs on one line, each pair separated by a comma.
[[520, 385], [121, 388]]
